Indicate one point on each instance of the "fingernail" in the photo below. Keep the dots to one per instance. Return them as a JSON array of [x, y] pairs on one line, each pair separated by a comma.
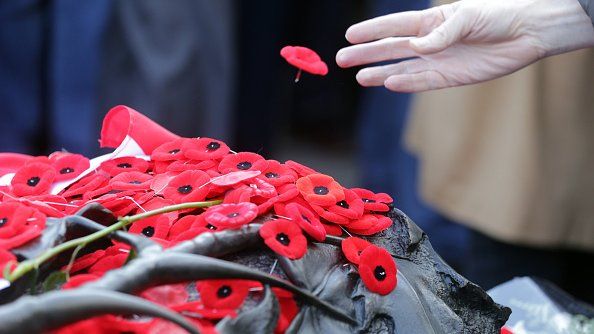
[[341, 58]]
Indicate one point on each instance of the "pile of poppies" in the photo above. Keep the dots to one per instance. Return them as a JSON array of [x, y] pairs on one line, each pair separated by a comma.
[[297, 206]]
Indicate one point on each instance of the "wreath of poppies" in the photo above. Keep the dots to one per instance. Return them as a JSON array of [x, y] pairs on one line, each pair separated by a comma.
[[298, 205]]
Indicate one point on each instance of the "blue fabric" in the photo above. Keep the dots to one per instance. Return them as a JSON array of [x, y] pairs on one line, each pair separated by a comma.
[[387, 167]]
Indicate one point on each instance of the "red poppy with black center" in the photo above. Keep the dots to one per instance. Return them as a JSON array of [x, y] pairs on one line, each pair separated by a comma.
[[19, 224], [285, 238], [352, 248], [304, 59], [369, 224], [68, 165], [278, 174], [88, 183], [372, 201], [378, 270], [351, 207], [224, 293], [155, 226], [124, 164], [242, 161], [320, 189], [195, 223], [131, 181], [308, 221], [189, 186], [205, 149], [300, 169], [33, 179], [169, 151], [231, 215]]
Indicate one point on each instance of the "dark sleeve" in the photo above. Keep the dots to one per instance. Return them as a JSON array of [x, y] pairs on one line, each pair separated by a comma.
[[588, 7]]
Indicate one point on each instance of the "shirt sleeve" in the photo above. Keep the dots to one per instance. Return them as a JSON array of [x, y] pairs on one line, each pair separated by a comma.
[[588, 7]]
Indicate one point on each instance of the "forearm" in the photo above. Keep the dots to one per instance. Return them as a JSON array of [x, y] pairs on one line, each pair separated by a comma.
[[588, 7]]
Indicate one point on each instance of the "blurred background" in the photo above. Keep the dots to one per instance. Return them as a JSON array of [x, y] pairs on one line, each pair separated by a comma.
[[212, 68]]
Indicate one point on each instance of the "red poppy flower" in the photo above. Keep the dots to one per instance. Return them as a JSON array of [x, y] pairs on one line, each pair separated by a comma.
[[189, 186], [278, 174], [86, 184], [195, 310], [332, 229], [370, 224], [224, 293], [288, 309], [131, 181], [320, 189], [114, 258], [11, 162], [285, 238], [122, 121], [19, 224], [171, 150], [205, 149], [308, 221], [7, 258], [157, 202], [242, 161], [352, 248], [33, 179], [68, 165], [184, 165], [155, 226], [85, 261], [239, 195], [116, 166], [78, 280], [344, 211], [378, 270], [191, 223], [372, 201], [231, 215], [304, 59], [300, 169]]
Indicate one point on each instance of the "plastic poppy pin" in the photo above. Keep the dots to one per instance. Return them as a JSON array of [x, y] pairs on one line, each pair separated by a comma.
[[305, 59]]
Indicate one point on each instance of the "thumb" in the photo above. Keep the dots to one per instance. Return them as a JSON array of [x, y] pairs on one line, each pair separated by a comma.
[[442, 37]]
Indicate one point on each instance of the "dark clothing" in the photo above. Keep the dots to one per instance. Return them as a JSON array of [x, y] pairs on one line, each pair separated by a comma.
[[588, 7]]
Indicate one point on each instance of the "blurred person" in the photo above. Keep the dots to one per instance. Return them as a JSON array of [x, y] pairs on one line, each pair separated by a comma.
[[386, 166], [511, 158], [49, 59]]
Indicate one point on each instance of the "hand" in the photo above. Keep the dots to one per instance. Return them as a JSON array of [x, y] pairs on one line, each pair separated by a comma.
[[462, 43]]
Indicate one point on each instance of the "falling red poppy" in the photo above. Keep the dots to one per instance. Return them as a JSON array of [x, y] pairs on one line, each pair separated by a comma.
[[352, 248], [33, 179], [171, 150], [205, 149], [372, 201], [124, 164], [320, 189], [189, 186], [19, 224], [378, 270], [68, 165], [308, 222], [131, 181], [369, 224], [304, 59], [231, 215], [224, 293], [242, 161], [285, 238]]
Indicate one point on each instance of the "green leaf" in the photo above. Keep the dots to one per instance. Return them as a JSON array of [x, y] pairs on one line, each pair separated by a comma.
[[54, 281]]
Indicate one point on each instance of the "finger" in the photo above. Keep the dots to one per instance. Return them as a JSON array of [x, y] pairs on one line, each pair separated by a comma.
[[385, 49], [416, 82], [376, 76], [397, 24], [448, 33]]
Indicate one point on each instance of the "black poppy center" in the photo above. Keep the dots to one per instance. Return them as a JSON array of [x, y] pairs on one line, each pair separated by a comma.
[[224, 291], [148, 231], [321, 190], [174, 151], [135, 182], [3, 221], [380, 273], [185, 189], [367, 200], [306, 219], [66, 170], [32, 182], [125, 165], [343, 204], [211, 227], [271, 175], [213, 146], [245, 165], [283, 239], [233, 214]]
